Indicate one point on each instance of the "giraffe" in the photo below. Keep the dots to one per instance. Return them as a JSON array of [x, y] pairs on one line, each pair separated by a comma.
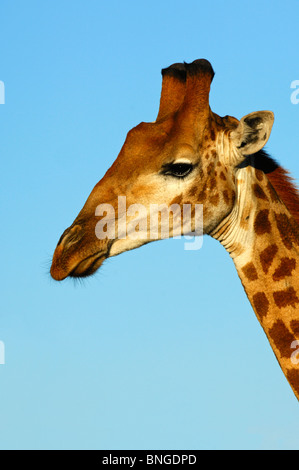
[[190, 155]]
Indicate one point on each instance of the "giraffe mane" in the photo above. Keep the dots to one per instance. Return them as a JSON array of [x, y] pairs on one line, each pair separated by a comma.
[[281, 180]]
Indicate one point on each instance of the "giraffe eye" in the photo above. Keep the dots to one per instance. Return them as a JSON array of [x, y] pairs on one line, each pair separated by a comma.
[[178, 170]]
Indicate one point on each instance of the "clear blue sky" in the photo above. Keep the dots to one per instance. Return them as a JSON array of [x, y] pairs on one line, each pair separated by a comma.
[[161, 349]]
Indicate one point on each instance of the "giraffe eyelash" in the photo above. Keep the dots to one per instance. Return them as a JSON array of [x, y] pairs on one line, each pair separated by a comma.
[[177, 170]]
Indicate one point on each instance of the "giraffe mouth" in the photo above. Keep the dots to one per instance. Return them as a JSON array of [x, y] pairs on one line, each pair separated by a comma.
[[62, 268], [88, 266]]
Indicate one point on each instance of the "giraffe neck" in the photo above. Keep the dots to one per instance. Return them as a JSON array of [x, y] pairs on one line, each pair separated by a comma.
[[262, 237]]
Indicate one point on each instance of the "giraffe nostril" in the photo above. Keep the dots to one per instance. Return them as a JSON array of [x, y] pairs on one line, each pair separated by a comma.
[[70, 235]]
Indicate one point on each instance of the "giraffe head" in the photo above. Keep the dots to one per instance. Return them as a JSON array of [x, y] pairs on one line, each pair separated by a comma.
[[189, 155]]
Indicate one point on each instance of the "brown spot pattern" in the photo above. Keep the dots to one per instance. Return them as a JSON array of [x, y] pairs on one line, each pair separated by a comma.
[[212, 183], [295, 327], [293, 378], [177, 200], [261, 304], [250, 272], [192, 191], [226, 196], [282, 338], [214, 199], [202, 194], [287, 265], [261, 223], [210, 168], [283, 225], [259, 192], [294, 227], [286, 298], [259, 174], [267, 256], [222, 176], [272, 192]]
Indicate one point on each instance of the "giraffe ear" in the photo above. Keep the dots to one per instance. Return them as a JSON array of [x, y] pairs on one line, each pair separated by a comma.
[[253, 132]]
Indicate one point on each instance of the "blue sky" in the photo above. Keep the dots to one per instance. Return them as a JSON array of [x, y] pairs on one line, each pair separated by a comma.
[[160, 349]]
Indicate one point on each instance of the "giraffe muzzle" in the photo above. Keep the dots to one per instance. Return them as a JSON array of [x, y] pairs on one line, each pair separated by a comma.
[[71, 261]]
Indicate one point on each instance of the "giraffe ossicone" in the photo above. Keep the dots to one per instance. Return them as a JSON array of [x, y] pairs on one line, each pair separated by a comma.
[[191, 156]]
